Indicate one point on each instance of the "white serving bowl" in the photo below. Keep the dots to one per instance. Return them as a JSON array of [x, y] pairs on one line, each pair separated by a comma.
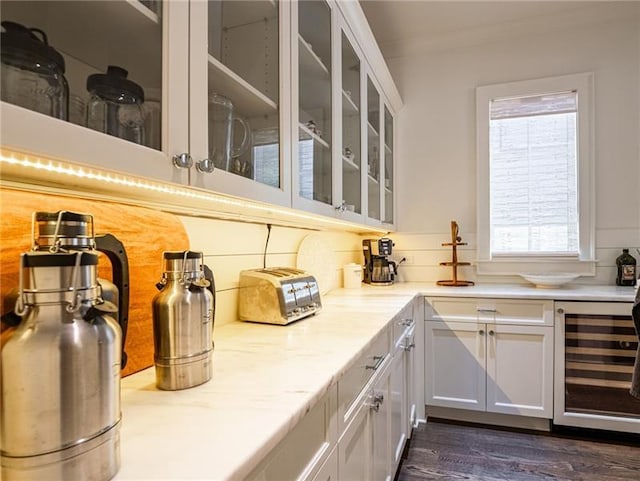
[[550, 280]]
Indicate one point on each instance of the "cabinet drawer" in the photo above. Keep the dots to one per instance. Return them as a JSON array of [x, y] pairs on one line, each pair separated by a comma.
[[303, 451], [499, 311], [401, 323], [360, 372]]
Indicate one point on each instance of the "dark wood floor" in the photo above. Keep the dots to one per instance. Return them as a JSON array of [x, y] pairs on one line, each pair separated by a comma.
[[443, 452]]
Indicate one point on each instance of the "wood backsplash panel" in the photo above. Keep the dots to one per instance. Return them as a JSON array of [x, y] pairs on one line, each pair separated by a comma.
[[145, 233]]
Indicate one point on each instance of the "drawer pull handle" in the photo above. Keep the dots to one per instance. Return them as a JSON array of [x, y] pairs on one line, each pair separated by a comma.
[[486, 310], [376, 401], [560, 310], [378, 360], [408, 347]]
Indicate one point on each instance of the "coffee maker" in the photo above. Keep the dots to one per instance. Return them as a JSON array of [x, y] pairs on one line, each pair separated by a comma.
[[378, 270]]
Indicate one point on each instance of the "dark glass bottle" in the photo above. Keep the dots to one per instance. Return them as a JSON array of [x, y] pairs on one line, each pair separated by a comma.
[[626, 269]]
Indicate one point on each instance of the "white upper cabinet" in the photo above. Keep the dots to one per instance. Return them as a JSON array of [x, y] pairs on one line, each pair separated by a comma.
[[283, 102], [238, 134], [351, 125], [314, 117], [114, 111]]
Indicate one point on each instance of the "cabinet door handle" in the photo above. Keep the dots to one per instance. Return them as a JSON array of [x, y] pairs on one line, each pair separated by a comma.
[[491, 333], [408, 347], [183, 161], [205, 166], [486, 310], [406, 322], [378, 360], [560, 310], [481, 332]]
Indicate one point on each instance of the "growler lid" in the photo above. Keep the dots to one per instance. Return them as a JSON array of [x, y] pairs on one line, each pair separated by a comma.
[[60, 259], [174, 261], [75, 229], [180, 255]]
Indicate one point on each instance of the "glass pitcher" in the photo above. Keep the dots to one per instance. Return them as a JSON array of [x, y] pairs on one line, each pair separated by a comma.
[[222, 149]]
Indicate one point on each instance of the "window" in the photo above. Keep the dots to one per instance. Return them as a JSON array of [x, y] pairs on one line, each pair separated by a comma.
[[535, 181]]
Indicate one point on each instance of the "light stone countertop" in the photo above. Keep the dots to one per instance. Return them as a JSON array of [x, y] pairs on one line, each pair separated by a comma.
[[267, 377]]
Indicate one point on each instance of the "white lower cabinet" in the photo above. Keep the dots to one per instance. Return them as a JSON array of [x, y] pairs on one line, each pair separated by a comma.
[[303, 454], [363, 448], [503, 366], [329, 470], [358, 430]]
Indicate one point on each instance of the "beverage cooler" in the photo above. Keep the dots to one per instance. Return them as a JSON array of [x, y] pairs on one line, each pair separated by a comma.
[[596, 345]]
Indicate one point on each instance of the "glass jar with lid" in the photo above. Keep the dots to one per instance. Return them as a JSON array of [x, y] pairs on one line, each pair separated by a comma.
[[32, 71], [115, 105]]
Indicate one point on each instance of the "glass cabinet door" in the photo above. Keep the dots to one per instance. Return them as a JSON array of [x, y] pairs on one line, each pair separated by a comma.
[[373, 151], [351, 132], [243, 113], [96, 64], [387, 175], [314, 115]]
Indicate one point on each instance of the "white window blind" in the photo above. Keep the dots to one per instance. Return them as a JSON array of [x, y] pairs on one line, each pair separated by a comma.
[[533, 175]]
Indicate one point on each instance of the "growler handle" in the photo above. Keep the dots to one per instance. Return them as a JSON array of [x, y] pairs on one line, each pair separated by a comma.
[[208, 275], [115, 251]]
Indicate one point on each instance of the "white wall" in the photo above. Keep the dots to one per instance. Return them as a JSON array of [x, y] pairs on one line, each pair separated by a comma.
[[437, 138], [230, 247]]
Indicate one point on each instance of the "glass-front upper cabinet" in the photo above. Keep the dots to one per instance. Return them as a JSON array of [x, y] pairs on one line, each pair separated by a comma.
[[388, 167], [351, 128], [314, 146], [374, 142], [241, 125], [91, 64]]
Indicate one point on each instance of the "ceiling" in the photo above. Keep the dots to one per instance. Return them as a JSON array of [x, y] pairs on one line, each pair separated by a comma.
[[398, 23]]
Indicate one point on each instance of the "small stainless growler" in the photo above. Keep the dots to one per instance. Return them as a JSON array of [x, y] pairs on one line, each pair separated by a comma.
[[60, 409], [183, 314]]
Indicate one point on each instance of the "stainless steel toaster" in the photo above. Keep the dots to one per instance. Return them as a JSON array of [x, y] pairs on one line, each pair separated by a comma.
[[277, 295]]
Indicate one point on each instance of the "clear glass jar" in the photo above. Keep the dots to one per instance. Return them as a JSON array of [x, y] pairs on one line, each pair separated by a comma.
[[32, 72], [116, 105]]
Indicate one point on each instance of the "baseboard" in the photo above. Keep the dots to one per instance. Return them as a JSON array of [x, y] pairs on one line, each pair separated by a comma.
[[492, 419]]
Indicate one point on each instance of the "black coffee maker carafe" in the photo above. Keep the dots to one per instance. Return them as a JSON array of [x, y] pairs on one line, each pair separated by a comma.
[[378, 270]]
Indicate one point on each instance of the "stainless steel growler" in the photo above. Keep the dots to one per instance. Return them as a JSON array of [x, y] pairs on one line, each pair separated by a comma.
[[60, 409], [183, 314], [65, 231], [70, 231]]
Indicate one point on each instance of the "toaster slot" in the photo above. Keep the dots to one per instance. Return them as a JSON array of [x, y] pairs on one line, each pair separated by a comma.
[[288, 296], [303, 295]]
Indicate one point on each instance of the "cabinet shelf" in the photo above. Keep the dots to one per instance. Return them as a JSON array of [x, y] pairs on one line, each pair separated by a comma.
[[123, 32], [350, 165], [309, 61], [313, 136], [315, 80], [348, 105], [372, 130], [245, 97]]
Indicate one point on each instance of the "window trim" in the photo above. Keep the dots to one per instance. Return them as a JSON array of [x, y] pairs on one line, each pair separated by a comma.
[[584, 263]]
